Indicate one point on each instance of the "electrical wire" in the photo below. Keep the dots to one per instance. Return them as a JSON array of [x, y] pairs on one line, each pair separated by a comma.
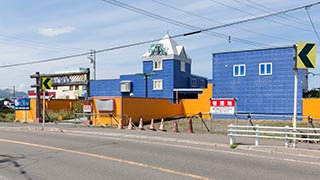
[[286, 16], [314, 28], [181, 24], [154, 40], [246, 12], [212, 20]]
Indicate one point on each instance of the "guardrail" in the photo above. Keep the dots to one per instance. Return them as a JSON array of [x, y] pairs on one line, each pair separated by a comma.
[[286, 133]]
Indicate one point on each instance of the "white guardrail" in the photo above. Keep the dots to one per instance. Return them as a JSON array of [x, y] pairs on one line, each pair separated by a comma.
[[288, 134]]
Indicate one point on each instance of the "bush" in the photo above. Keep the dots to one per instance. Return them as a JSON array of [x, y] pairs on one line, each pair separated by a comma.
[[54, 116], [7, 115]]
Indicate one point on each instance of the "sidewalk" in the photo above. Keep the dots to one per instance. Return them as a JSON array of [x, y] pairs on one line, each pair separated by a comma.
[[214, 140]]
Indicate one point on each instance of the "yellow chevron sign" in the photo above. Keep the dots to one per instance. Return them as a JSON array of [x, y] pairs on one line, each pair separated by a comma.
[[306, 55], [46, 83]]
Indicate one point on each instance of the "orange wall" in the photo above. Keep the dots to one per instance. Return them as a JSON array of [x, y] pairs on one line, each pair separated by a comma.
[[311, 107], [55, 105], [202, 104], [149, 108], [102, 117], [27, 116]]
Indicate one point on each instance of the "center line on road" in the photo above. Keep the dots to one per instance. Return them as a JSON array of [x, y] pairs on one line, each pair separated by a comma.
[[107, 158]]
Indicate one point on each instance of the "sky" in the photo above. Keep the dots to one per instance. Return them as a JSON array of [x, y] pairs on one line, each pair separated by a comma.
[[37, 30]]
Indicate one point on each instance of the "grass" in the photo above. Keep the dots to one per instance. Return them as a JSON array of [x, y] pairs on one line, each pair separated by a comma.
[[6, 115], [220, 126]]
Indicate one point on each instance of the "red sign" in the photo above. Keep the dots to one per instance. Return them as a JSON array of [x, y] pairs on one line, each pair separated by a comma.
[[87, 108], [222, 106]]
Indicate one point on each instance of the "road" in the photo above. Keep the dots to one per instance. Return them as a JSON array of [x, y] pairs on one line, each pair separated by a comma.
[[70, 155]]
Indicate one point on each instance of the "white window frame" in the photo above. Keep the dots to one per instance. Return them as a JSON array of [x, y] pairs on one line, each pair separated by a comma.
[[265, 73], [157, 65], [193, 82], [238, 74], [182, 66], [125, 86], [157, 84]]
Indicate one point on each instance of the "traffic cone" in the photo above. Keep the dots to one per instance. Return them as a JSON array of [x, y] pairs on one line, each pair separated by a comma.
[[161, 128], [141, 125], [130, 127], [120, 126], [175, 127], [190, 128], [151, 127]]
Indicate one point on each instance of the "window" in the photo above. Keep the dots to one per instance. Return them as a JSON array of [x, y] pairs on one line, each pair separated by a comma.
[[70, 88], [239, 70], [182, 66], [265, 69], [202, 83], [157, 84], [157, 65], [193, 82], [76, 87], [125, 86]]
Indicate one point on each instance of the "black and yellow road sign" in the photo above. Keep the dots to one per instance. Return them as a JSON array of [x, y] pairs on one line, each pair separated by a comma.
[[306, 55], [46, 83]]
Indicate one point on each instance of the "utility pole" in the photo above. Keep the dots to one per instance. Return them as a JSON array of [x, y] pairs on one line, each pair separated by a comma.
[[92, 58]]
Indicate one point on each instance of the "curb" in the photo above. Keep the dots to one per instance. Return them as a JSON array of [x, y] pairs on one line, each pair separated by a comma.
[[282, 150], [267, 149]]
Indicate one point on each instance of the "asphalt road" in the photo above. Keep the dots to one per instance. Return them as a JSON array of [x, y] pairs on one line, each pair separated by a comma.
[[40, 155]]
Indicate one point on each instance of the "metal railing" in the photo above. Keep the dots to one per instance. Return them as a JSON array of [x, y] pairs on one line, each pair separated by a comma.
[[96, 118], [288, 134]]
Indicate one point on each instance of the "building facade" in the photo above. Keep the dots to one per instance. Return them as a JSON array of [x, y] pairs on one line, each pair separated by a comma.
[[166, 74], [262, 80]]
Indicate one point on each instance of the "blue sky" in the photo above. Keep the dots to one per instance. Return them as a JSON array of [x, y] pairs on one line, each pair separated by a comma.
[[35, 30]]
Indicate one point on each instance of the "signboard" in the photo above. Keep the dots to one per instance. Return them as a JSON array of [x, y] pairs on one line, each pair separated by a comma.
[[46, 83], [222, 106], [157, 50], [306, 55], [87, 108], [22, 104]]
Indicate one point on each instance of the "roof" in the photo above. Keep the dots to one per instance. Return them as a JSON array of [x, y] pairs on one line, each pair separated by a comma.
[[236, 51], [171, 48]]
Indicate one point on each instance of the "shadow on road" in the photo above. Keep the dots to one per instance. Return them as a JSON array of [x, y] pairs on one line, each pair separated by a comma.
[[6, 161]]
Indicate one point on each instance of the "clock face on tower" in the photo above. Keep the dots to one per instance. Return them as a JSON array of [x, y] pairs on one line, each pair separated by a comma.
[[157, 50]]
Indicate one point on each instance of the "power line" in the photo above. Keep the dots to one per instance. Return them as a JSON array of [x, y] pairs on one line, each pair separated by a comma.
[[154, 40], [212, 20], [314, 28], [245, 12], [181, 24], [286, 16]]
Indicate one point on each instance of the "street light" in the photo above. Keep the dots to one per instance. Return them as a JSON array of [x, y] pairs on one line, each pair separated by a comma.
[[146, 77]]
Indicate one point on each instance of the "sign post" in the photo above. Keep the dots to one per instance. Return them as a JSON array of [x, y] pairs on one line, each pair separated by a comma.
[[46, 84], [305, 58]]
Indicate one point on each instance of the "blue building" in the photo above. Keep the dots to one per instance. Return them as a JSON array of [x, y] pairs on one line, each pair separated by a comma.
[[166, 74], [262, 80]]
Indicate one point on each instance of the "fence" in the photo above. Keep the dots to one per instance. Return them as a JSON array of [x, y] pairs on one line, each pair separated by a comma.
[[288, 134], [113, 118]]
